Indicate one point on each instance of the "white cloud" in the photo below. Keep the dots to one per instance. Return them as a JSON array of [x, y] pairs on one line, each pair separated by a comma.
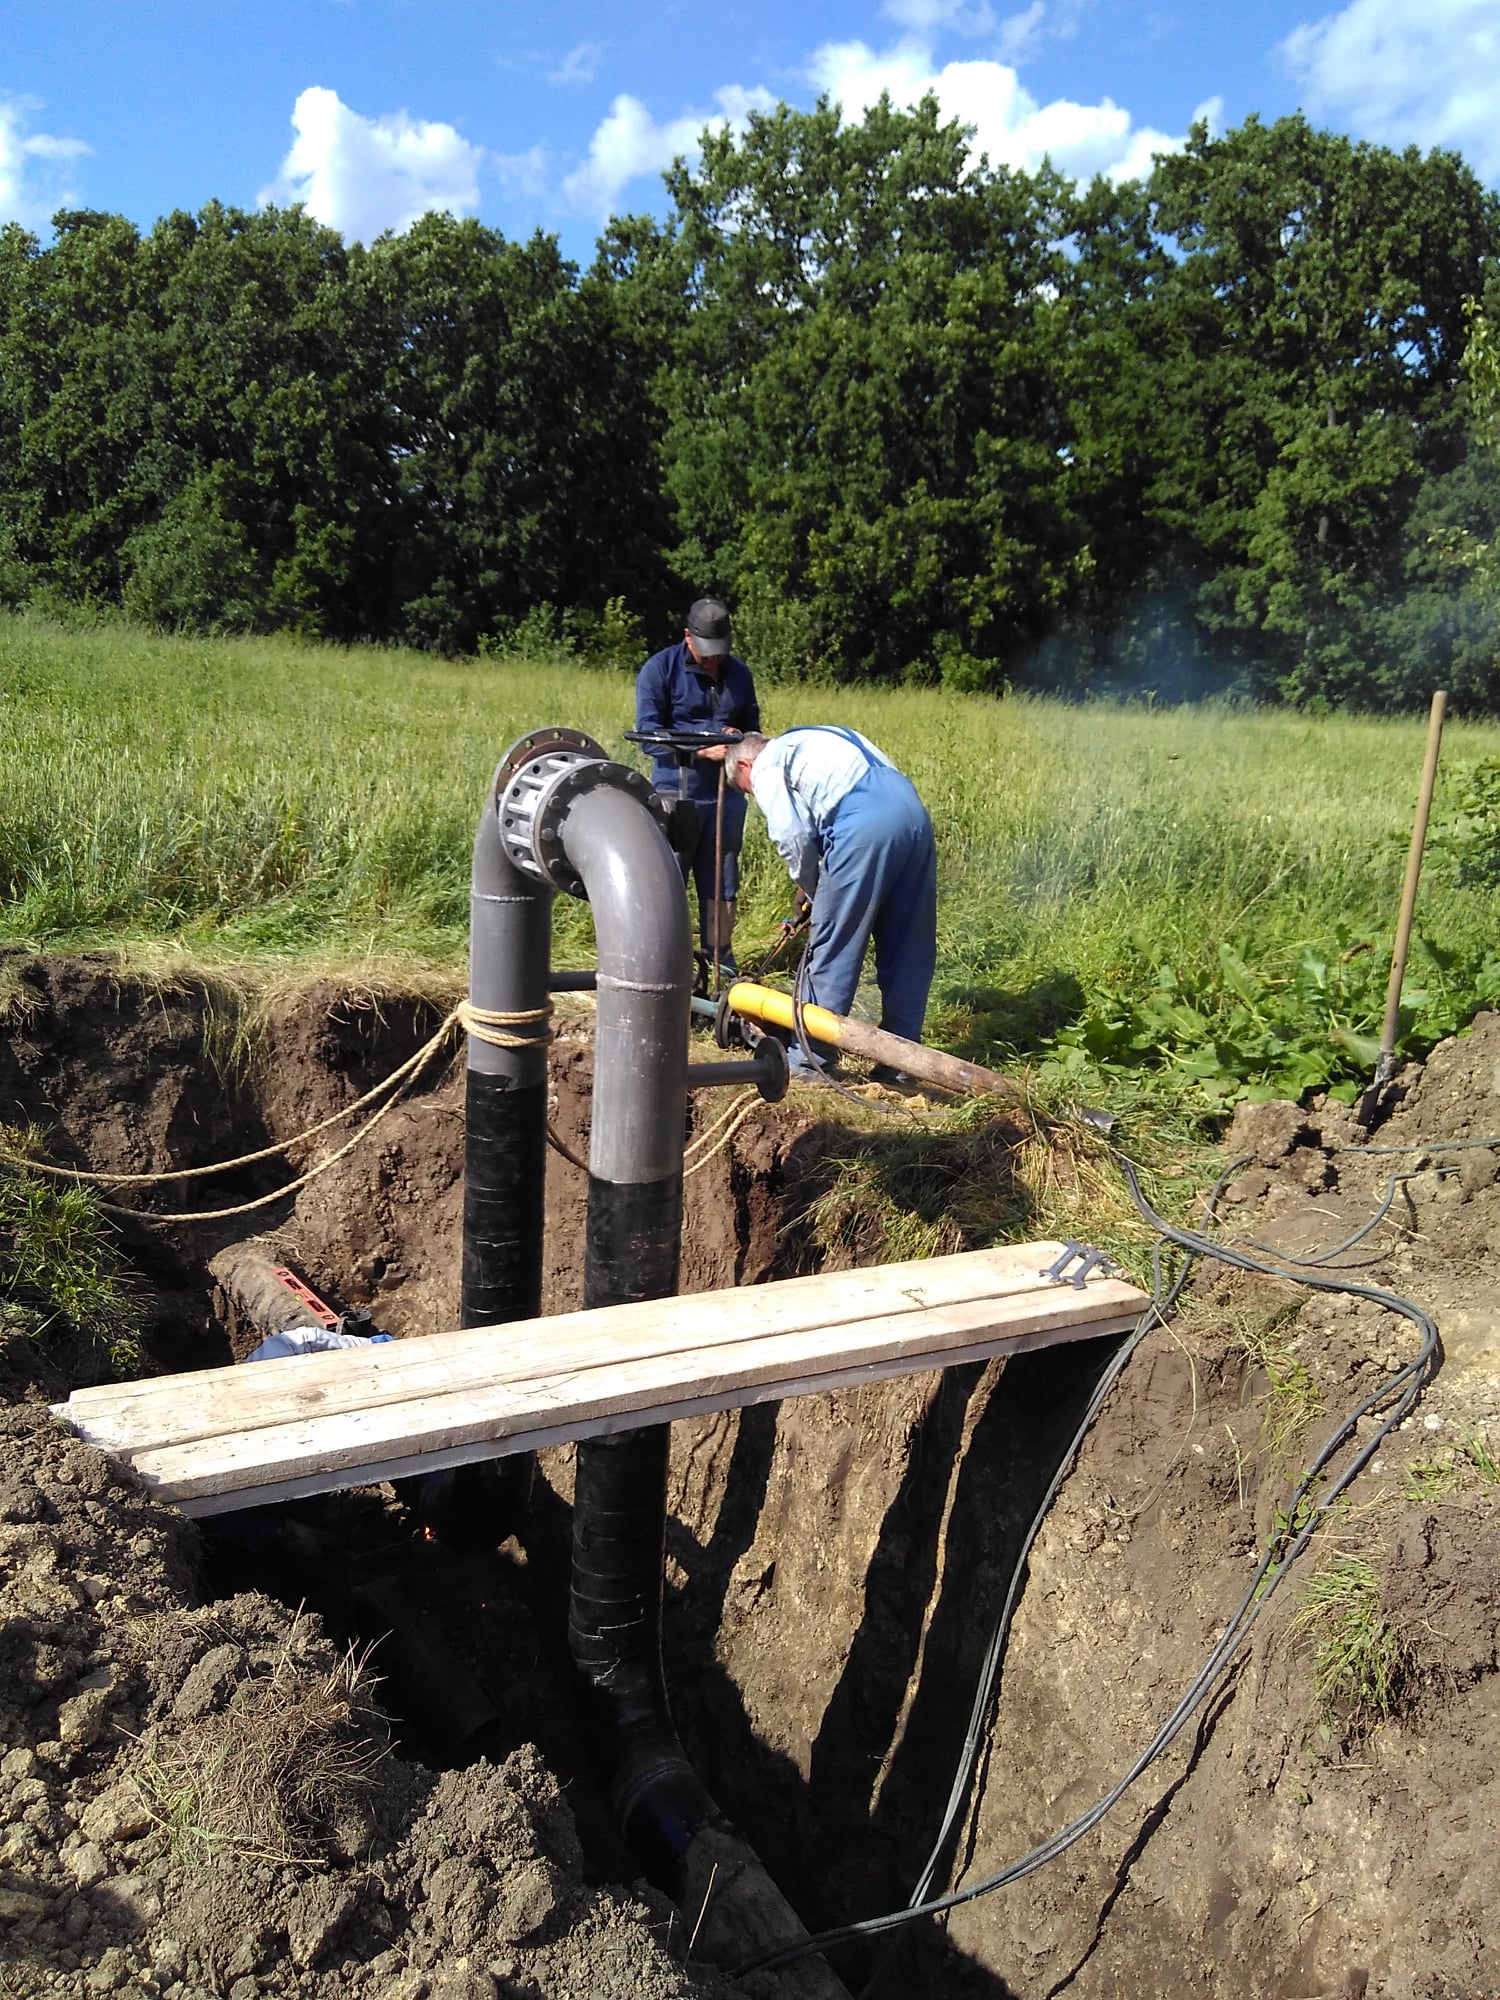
[[579, 65], [630, 144], [364, 175], [1020, 34], [529, 174], [959, 17], [1009, 124], [1399, 73], [35, 176]]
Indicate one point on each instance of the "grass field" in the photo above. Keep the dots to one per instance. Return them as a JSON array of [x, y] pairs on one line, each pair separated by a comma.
[[1207, 889]]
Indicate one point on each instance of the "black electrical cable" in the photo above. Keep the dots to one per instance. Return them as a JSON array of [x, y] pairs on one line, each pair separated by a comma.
[[1349, 1243], [1297, 1524], [1421, 1146], [1395, 1181], [1155, 1314]]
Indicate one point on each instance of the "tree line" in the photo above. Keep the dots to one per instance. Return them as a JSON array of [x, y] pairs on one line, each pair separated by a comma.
[[916, 416]]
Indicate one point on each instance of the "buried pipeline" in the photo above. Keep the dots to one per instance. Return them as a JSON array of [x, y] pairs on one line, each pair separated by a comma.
[[560, 816]]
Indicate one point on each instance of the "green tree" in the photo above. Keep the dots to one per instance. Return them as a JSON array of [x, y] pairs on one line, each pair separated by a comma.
[[1310, 327], [266, 444], [518, 436], [75, 404], [860, 430]]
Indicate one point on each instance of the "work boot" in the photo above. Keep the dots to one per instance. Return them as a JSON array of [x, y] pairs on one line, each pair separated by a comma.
[[893, 1079]]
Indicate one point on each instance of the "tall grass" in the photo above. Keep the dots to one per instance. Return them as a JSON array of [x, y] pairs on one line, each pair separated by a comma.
[[262, 799]]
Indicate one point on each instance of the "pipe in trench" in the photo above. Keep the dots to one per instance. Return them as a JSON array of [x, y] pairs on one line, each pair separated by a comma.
[[632, 1251], [505, 1155], [612, 847]]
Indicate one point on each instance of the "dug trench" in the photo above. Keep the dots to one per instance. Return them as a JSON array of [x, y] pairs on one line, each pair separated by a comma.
[[318, 1754]]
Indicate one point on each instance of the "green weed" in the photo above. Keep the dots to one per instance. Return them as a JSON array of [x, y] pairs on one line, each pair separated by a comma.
[[1466, 838], [1293, 1401], [969, 1177], [1463, 1466], [1360, 1664], [59, 1271]]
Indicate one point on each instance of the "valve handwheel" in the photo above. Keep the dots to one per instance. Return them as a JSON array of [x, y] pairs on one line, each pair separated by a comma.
[[682, 745], [684, 742]]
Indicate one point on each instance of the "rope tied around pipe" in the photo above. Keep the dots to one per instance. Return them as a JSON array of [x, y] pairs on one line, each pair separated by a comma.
[[485, 1024], [490, 1024]]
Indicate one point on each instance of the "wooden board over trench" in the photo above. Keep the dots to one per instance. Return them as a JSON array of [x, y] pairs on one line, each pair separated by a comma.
[[226, 1438]]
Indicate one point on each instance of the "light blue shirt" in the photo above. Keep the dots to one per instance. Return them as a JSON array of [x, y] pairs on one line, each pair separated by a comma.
[[799, 781]]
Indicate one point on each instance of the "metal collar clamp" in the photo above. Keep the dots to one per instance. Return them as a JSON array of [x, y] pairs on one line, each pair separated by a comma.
[[538, 780]]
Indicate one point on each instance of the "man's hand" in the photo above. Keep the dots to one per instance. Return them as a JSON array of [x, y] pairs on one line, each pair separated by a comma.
[[714, 754], [801, 913]]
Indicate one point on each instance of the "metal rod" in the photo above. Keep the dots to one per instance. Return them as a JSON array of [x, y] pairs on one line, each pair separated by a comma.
[[718, 880], [1392, 1023], [707, 1076]]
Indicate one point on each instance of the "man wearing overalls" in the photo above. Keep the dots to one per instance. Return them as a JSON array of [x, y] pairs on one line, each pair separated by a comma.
[[858, 841]]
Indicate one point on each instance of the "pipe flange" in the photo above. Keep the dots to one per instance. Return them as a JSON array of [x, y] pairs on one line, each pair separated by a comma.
[[541, 743], [519, 807], [775, 1069], [563, 789], [726, 1024]]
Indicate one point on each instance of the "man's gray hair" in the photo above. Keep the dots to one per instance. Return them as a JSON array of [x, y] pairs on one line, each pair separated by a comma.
[[745, 751]]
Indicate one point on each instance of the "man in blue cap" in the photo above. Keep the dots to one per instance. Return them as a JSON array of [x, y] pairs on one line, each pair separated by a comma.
[[700, 684]]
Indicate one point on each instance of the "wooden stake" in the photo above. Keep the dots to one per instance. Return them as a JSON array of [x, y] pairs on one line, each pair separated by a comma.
[[1387, 1062]]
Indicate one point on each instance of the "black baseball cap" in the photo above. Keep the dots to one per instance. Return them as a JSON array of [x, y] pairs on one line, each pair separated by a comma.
[[708, 622]]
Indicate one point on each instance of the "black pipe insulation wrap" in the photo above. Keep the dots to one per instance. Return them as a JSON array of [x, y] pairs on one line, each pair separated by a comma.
[[505, 1142], [632, 1253], [614, 1634], [633, 1242], [472, 1507]]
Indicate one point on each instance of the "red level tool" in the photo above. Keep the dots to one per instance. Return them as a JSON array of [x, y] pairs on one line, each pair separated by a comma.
[[305, 1295]]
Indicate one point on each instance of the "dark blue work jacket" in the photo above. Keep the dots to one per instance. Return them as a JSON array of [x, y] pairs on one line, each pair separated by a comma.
[[673, 692]]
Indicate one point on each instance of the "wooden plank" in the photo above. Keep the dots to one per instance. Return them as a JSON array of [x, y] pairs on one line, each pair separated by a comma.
[[328, 1481], [234, 1437], [817, 1301], [355, 1437], [209, 1401]]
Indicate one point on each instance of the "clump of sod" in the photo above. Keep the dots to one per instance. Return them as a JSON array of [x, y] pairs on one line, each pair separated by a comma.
[[63, 1283]]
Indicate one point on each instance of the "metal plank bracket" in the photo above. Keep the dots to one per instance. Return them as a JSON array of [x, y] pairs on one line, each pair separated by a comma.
[[1075, 1264]]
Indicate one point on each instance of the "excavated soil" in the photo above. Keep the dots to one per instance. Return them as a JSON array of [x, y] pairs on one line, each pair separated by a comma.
[[207, 1790]]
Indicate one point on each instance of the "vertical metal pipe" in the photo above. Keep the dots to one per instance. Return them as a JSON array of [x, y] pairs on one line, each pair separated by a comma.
[[632, 1251], [505, 1152], [614, 850], [505, 1138]]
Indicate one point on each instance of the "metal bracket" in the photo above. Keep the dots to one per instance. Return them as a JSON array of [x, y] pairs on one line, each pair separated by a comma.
[[1076, 1263], [767, 1069]]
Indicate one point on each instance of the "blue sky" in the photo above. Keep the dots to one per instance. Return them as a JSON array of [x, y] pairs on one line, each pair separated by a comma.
[[555, 116]]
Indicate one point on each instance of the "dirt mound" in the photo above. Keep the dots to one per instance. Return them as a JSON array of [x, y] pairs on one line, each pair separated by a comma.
[[202, 1798]]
